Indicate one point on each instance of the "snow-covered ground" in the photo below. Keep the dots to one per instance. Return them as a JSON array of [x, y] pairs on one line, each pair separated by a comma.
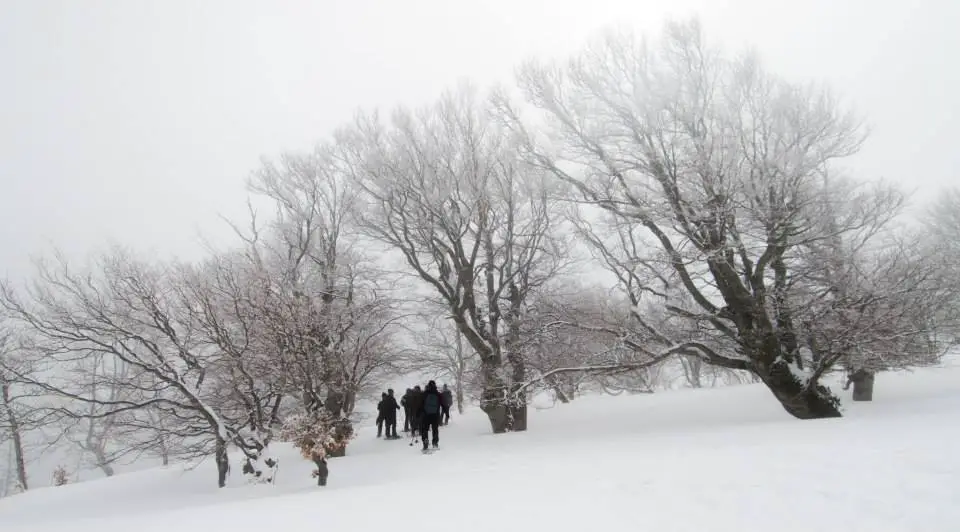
[[725, 459]]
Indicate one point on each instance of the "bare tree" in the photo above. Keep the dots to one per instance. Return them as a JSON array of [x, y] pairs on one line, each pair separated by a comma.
[[584, 338], [443, 354], [126, 313], [223, 300], [312, 206], [884, 313], [714, 168], [328, 314], [449, 192], [94, 434], [941, 246]]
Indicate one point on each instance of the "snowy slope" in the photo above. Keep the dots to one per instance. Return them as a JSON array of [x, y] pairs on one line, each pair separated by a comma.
[[704, 460]]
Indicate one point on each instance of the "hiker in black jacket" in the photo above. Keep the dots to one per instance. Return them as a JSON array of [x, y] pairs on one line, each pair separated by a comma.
[[447, 397], [390, 408], [380, 416], [405, 403], [431, 406], [415, 403]]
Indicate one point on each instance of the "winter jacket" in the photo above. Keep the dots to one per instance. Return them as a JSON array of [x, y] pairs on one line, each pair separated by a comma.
[[415, 402], [389, 408], [431, 391], [447, 396]]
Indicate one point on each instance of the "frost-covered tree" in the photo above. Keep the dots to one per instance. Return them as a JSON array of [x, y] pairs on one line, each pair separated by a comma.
[[448, 191], [322, 317], [224, 298], [93, 434], [442, 353], [123, 311], [715, 168], [941, 246]]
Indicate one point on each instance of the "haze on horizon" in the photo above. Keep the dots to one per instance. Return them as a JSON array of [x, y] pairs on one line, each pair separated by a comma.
[[138, 122]]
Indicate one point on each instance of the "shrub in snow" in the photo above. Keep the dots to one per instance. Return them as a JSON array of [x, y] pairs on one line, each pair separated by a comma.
[[317, 436], [60, 476]]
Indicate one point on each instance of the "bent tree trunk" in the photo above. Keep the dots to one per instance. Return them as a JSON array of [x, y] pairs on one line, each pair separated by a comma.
[[862, 381], [801, 402]]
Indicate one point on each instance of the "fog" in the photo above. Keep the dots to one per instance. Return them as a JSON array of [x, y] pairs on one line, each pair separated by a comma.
[[138, 122]]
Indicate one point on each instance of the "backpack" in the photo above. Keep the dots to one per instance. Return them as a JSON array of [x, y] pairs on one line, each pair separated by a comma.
[[431, 403]]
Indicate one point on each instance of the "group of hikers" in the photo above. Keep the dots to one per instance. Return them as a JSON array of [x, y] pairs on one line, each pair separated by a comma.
[[424, 410]]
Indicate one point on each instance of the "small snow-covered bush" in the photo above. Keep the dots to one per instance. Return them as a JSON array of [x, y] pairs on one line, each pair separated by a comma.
[[60, 476], [317, 436]]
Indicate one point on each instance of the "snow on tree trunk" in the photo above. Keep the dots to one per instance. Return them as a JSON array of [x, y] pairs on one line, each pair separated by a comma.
[[863, 381], [518, 417], [260, 466], [261, 469], [493, 398], [798, 399]]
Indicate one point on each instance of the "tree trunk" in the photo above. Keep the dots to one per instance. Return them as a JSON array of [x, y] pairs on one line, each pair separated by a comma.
[[349, 402], [459, 393], [801, 402], [104, 465], [334, 406], [506, 412], [518, 416], [322, 472], [560, 395], [862, 385], [223, 462], [692, 369], [499, 420], [164, 452], [19, 457], [14, 427], [506, 417], [95, 444], [259, 465], [517, 400], [461, 369]]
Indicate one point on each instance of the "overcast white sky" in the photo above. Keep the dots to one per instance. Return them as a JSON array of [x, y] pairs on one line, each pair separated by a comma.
[[138, 121]]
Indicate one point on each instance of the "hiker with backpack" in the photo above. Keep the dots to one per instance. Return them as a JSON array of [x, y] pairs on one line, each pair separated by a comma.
[[432, 405]]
